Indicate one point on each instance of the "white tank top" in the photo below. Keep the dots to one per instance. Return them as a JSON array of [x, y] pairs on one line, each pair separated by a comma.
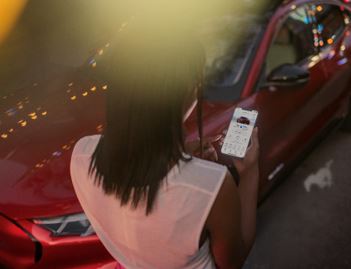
[[169, 237]]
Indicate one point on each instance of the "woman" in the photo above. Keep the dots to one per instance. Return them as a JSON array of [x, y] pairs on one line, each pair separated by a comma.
[[151, 203]]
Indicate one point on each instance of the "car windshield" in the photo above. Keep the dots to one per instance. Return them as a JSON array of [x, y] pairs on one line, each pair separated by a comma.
[[228, 41], [59, 48]]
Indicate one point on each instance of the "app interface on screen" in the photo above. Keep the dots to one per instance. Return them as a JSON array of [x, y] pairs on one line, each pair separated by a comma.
[[239, 132]]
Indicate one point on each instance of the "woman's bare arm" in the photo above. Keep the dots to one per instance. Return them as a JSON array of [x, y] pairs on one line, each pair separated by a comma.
[[224, 226], [248, 190], [232, 219]]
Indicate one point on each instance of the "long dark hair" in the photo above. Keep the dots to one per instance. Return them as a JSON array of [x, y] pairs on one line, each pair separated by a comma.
[[151, 70]]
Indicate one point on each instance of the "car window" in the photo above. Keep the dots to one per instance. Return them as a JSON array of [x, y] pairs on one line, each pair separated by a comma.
[[330, 23], [293, 42]]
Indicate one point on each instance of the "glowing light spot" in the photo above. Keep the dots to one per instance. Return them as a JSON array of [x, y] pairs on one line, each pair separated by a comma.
[[319, 8], [123, 25], [44, 113], [104, 87], [293, 7], [306, 20], [330, 41], [311, 64], [321, 43], [331, 54], [38, 108], [11, 130], [342, 61], [23, 123], [10, 112], [85, 93], [101, 51], [92, 62], [70, 84], [34, 117], [66, 147], [4, 136], [73, 97], [99, 128], [56, 153], [20, 107], [107, 45], [342, 47], [68, 91], [93, 89], [32, 114], [315, 58]]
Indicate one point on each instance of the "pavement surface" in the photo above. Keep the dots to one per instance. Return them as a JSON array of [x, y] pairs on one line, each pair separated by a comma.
[[306, 221]]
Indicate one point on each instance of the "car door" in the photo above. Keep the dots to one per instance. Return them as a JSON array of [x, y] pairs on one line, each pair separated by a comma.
[[285, 112], [335, 45]]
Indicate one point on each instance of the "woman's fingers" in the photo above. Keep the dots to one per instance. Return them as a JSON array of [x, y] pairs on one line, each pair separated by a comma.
[[254, 138], [212, 139], [253, 150], [251, 157]]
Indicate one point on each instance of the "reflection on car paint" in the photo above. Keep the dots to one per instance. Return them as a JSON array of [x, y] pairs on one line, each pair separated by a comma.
[[342, 61], [275, 171]]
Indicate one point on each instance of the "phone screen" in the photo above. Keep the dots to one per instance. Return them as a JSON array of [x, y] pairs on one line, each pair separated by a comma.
[[239, 132]]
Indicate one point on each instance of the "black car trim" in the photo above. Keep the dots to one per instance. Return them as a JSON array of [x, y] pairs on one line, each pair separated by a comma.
[[38, 249]]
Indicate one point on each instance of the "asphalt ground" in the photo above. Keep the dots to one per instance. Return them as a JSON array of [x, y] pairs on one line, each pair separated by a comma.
[[306, 221]]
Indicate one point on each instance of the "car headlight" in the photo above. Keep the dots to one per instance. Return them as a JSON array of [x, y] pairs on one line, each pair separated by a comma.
[[75, 224]]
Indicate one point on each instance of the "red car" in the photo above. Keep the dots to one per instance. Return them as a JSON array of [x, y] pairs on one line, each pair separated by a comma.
[[291, 64]]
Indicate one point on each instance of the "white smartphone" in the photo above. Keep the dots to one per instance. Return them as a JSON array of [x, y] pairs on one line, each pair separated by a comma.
[[239, 132]]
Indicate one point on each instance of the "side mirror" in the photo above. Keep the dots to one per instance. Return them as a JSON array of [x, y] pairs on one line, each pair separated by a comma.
[[288, 75]]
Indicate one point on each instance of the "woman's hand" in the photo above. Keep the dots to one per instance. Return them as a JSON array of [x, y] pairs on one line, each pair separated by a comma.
[[209, 152], [250, 161]]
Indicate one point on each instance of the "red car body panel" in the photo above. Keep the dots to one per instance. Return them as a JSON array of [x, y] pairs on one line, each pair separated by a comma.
[[90, 253], [38, 131]]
